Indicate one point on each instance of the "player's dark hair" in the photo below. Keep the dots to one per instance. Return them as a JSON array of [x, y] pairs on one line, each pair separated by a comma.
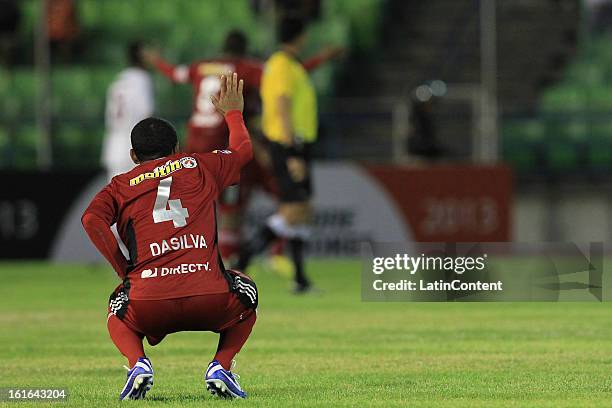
[[290, 28], [134, 53], [153, 138], [236, 43]]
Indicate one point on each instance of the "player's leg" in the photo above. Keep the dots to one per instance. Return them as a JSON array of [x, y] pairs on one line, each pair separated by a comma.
[[297, 212], [220, 378], [233, 316], [296, 216], [275, 227], [290, 221], [232, 204], [286, 224], [232, 339], [224, 313], [260, 241], [128, 341], [230, 314]]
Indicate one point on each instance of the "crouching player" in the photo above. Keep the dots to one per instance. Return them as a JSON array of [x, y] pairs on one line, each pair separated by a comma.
[[175, 280]]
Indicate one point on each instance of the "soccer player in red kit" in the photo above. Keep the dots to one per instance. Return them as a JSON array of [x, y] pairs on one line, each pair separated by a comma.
[[207, 130], [175, 280]]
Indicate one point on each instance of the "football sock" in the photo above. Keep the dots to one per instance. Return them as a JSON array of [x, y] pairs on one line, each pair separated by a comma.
[[296, 248], [261, 241], [126, 340], [232, 339]]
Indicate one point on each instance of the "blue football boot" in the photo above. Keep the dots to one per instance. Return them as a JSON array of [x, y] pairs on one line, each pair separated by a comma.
[[223, 383], [139, 380]]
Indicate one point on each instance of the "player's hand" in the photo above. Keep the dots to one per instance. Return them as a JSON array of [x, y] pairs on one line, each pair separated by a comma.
[[230, 97], [297, 168]]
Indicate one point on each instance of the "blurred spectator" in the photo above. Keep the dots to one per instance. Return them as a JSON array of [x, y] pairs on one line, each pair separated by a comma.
[[129, 100], [422, 141], [9, 22], [62, 27]]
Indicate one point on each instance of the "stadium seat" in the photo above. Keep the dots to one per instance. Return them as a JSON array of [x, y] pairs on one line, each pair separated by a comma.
[[565, 142], [24, 90], [522, 143], [599, 151], [5, 147], [24, 147], [79, 88], [76, 145]]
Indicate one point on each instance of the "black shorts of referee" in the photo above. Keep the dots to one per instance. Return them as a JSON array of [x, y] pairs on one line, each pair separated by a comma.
[[290, 189]]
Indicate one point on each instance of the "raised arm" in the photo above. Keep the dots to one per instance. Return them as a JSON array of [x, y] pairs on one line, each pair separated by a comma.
[[96, 220], [322, 57], [230, 104], [176, 73]]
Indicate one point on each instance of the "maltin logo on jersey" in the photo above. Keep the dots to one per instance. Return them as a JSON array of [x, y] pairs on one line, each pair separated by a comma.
[[223, 151], [165, 170]]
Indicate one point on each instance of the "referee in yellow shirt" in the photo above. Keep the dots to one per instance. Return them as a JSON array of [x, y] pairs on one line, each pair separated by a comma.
[[289, 122]]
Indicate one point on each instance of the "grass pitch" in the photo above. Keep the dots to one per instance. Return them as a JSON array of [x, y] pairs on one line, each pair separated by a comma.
[[325, 350]]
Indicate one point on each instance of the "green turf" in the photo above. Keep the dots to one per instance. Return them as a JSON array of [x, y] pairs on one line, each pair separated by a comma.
[[327, 350]]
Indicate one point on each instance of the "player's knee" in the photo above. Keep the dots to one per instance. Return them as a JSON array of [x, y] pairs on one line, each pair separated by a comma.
[[295, 213]]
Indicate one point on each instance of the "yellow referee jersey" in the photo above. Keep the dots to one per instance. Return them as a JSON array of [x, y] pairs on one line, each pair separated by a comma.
[[284, 75]]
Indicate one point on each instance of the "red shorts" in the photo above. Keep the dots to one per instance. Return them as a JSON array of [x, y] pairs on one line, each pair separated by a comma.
[[215, 312], [157, 318]]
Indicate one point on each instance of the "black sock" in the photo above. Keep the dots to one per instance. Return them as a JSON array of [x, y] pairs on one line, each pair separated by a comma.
[[258, 244], [296, 248]]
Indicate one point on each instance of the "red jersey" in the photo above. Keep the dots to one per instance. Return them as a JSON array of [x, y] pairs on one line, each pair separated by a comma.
[[165, 214], [205, 77]]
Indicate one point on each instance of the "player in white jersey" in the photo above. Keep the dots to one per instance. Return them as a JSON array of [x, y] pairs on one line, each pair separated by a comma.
[[129, 99]]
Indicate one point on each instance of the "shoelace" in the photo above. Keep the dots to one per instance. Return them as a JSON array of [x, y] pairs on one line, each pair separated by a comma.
[[231, 370]]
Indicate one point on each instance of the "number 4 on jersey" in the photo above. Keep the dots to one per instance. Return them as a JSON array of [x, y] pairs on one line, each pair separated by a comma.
[[168, 210]]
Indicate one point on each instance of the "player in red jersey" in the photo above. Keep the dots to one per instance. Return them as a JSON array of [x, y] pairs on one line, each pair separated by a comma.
[[175, 280], [207, 130]]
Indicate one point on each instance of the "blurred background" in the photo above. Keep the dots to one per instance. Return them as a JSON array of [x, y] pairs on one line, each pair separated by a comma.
[[458, 120]]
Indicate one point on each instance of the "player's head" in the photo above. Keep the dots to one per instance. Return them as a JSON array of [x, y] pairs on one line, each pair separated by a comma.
[[135, 55], [292, 31], [236, 43], [153, 138]]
